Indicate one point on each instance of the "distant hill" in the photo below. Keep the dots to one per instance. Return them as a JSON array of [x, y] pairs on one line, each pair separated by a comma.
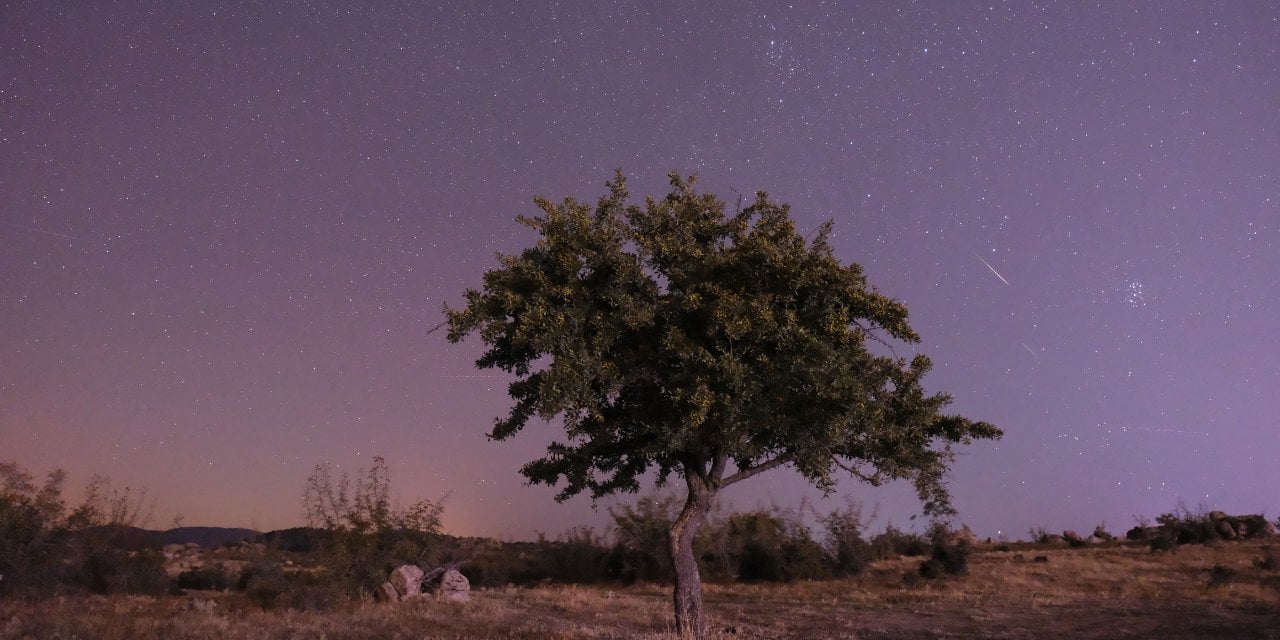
[[204, 536], [208, 537]]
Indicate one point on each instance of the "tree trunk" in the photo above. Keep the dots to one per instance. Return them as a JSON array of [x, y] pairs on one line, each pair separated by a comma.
[[688, 592]]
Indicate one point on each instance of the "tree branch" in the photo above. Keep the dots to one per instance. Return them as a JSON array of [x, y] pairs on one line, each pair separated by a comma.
[[717, 468], [760, 468], [874, 480]]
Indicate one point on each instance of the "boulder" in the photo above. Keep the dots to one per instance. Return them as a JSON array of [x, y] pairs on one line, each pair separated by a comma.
[[1223, 527], [455, 586], [1073, 539], [386, 593], [407, 580]]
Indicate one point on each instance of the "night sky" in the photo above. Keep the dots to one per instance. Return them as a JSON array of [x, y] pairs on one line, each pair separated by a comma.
[[226, 230]]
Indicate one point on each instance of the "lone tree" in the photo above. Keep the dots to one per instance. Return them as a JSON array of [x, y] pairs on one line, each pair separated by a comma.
[[679, 338]]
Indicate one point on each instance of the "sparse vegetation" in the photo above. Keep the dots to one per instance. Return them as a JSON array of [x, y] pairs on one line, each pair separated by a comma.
[[362, 536], [48, 548], [1118, 591], [295, 587]]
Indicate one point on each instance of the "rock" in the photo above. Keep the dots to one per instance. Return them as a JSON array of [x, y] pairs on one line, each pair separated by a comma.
[[1052, 538], [1101, 534], [407, 580], [455, 586], [386, 593], [1224, 529], [1073, 539]]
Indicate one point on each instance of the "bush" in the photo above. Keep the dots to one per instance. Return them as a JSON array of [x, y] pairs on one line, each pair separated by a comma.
[[1186, 528], [949, 555], [756, 563], [263, 583], [844, 542], [47, 549], [1220, 575], [204, 579], [1268, 561], [113, 570], [640, 534], [361, 536], [769, 545], [894, 542]]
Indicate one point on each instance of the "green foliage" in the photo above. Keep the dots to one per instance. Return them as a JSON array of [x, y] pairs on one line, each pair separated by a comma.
[[675, 338], [640, 532], [678, 337], [763, 545], [772, 546], [844, 540]]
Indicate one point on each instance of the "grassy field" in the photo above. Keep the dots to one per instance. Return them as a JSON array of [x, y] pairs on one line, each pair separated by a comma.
[[1194, 592]]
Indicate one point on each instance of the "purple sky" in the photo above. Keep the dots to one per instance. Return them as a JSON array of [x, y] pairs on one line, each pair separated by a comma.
[[226, 229]]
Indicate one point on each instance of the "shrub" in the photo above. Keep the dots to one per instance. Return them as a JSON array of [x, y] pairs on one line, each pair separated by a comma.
[[640, 534], [1268, 561], [844, 541], [108, 569], [1187, 529], [931, 569], [204, 579], [1220, 575], [949, 555], [894, 542], [1100, 532], [362, 536], [756, 563], [47, 549], [263, 583]]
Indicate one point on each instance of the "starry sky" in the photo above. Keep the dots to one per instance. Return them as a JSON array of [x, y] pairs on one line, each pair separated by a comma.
[[227, 230]]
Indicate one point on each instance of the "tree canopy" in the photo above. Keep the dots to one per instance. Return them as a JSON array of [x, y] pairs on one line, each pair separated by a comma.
[[680, 337]]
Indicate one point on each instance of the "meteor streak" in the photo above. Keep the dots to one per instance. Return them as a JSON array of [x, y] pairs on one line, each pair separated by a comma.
[[1029, 349], [993, 269]]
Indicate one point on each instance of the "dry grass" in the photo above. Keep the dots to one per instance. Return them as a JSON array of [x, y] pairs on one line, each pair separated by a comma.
[[1111, 592]]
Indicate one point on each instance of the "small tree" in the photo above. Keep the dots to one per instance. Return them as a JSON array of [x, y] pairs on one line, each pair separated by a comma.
[[44, 545], [677, 338], [334, 505], [363, 530]]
